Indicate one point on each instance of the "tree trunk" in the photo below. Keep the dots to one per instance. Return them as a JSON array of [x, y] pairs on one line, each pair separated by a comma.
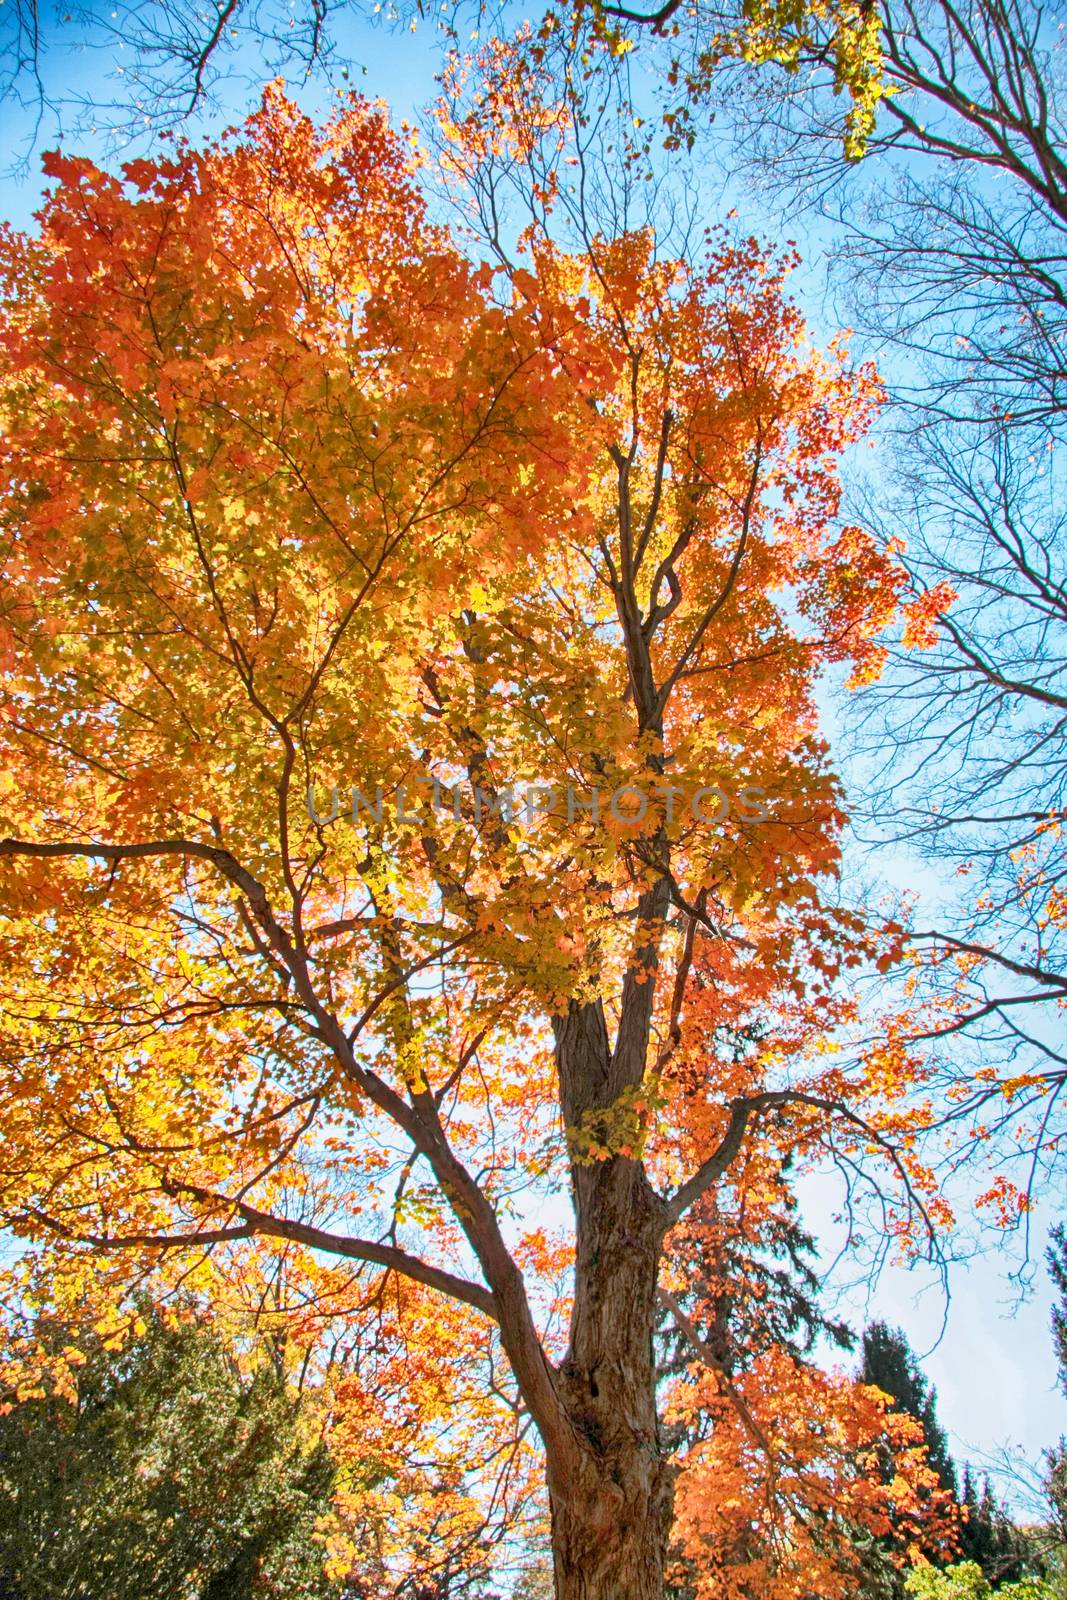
[[611, 1517], [610, 1544], [612, 1500]]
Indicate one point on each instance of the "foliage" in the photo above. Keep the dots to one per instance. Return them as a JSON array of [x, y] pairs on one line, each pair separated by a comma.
[[985, 1534], [966, 1581], [991, 1539], [784, 1483], [788, 34], [788, 1487], [890, 1365], [1055, 1479], [948, 258]]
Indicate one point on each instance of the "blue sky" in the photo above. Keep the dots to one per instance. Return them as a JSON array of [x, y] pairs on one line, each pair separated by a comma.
[[992, 1364]]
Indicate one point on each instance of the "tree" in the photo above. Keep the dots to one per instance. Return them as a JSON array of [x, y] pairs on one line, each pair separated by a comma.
[[320, 542], [962, 83], [166, 61], [172, 1474], [789, 1473], [890, 1367], [949, 256], [990, 1538], [777, 1500], [1056, 1459], [169, 61], [964, 105], [968, 729]]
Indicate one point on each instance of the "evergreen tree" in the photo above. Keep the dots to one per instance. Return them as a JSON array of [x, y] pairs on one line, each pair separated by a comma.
[[989, 1538], [173, 1477], [888, 1363], [1056, 1475]]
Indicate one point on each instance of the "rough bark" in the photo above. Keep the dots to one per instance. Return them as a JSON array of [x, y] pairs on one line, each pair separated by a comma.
[[611, 1519], [606, 1546]]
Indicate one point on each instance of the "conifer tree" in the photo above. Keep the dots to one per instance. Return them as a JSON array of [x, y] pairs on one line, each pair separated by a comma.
[[989, 1537], [1056, 1458], [174, 1475]]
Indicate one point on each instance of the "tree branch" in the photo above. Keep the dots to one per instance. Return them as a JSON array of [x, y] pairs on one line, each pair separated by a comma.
[[261, 1223]]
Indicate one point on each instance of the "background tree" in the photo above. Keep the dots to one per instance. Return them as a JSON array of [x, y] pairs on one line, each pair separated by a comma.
[[990, 1538], [965, 1580], [1055, 1484], [781, 1500], [890, 1365]]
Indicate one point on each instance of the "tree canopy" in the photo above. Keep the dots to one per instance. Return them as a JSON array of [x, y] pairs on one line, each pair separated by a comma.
[[414, 773]]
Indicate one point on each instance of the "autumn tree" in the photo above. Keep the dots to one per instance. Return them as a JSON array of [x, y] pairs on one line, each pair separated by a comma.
[[946, 240], [783, 1489], [985, 1534], [169, 62], [413, 780]]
